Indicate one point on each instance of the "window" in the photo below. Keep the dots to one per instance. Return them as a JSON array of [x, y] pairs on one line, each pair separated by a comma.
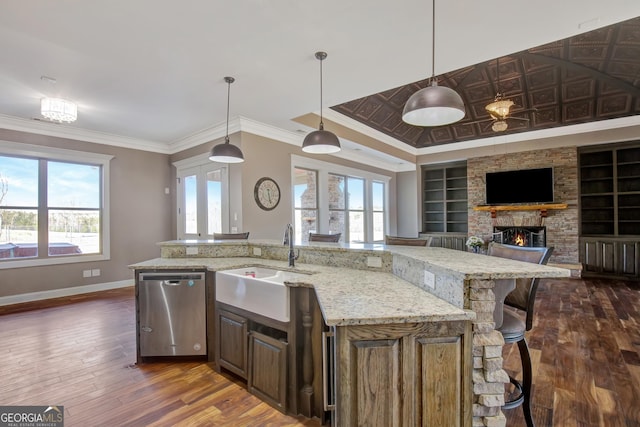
[[349, 201], [202, 194], [305, 203], [53, 206]]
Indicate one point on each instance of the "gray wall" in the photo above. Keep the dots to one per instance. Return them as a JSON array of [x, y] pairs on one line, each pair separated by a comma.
[[140, 217], [408, 196], [267, 157]]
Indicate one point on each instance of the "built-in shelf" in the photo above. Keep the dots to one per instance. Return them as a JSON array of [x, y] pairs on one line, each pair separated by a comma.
[[543, 208]]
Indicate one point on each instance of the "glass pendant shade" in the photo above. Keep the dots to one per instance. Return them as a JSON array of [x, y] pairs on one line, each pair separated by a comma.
[[499, 108], [59, 110], [225, 152], [433, 106], [499, 126]]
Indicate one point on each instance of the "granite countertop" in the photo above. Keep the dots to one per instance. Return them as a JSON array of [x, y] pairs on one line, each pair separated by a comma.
[[346, 296], [477, 266]]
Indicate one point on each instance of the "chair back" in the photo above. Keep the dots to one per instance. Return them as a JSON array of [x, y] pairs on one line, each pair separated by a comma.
[[407, 241], [524, 295], [230, 236], [316, 237]]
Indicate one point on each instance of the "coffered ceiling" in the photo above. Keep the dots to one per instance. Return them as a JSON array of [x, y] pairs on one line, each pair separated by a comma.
[[589, 77]]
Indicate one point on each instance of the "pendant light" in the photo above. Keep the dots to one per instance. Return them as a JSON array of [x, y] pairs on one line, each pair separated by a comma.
[[225, 152], [321, 141], [434, 105]]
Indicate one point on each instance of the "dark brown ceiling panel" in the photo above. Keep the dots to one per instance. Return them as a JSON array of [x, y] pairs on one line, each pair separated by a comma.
[[589, 77]]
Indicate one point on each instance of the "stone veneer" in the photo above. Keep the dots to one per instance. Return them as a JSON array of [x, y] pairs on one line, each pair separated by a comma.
[[562, 225]]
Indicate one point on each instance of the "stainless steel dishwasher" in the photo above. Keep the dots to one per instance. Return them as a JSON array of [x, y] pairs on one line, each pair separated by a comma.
[[172, 314]]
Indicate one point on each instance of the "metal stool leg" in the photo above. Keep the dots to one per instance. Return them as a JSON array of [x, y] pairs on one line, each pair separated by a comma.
[[527, 379]]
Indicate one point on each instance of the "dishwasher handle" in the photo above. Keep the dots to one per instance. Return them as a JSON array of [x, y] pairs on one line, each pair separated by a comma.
[[172, 282]]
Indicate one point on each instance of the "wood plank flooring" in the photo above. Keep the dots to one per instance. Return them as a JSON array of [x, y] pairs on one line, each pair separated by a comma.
[[80, 352], [585, 348]]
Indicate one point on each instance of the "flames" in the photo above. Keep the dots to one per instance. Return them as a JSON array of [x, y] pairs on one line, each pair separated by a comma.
[[519, 240]]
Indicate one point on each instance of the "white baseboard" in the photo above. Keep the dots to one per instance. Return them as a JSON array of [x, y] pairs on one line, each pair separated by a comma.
[[64, 292]]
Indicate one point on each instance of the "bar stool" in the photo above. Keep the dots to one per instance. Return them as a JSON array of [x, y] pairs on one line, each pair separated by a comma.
[[316, 237], [230, 236], [516, 315], [407, 241]]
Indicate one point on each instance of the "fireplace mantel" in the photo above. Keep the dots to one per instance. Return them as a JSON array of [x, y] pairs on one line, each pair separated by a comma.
[[543, 208]]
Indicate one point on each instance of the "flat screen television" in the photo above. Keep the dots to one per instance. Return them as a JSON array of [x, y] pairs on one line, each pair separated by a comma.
[[520, 186]]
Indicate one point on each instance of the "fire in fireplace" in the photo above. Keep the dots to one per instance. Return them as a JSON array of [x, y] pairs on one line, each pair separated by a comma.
[[520, 236]]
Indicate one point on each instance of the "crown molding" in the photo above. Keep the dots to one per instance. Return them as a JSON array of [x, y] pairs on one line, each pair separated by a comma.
[[237, 124], [70, 132]]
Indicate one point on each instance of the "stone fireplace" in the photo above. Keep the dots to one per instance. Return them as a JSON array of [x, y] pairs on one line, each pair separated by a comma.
[[520, 236]]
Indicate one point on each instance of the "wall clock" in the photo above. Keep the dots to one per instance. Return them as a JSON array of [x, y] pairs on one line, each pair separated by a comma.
[[267, 193]]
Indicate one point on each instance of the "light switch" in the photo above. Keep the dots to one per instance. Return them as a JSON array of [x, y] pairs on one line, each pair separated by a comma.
[[95, 272], [257, 251]]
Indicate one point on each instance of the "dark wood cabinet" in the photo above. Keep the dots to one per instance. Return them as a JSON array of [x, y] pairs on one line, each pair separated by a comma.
[[231, 352], [610, 210], [268, 369], [444, 197]]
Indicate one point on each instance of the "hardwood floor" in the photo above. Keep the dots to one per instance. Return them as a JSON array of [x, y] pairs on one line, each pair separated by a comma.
[[80, 352], [585, 350]]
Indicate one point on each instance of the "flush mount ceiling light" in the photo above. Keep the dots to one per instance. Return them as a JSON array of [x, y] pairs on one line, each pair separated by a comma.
[[434, 105], [59, 110], [225, 152], [321, 141]]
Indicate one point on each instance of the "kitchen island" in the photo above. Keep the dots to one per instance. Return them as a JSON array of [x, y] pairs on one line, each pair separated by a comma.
[[389, 306]]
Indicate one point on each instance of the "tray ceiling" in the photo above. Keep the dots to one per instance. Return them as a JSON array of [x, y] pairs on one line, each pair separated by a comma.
[[589, 77]]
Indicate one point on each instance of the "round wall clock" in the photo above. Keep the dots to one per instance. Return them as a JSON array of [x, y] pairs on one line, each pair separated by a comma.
[[267, 193]]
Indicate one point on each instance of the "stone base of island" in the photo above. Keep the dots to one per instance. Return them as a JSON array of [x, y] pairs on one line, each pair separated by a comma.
[[376, 335]]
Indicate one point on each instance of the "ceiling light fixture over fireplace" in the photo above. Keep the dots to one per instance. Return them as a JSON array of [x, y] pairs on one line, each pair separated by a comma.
[[59, 110], [433, 105]]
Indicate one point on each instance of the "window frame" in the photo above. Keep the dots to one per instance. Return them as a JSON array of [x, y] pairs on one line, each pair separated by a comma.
[[324, 169], [54, 154]]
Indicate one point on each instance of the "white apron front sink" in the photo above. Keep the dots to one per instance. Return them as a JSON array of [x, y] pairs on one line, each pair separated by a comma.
[[259, 290]]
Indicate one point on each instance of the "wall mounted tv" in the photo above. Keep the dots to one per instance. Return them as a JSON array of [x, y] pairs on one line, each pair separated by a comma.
[[520, 186]]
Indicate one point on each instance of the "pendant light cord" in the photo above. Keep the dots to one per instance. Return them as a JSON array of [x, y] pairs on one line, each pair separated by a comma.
[[321, 124], [433, 41], [229, 81]]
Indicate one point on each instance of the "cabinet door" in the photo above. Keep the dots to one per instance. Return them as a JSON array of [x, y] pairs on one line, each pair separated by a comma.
[[628, 258], [231, 353], [268, 369], [404, 375]]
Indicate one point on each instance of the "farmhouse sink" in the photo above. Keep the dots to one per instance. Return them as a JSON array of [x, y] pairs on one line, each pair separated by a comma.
[[259, 290]]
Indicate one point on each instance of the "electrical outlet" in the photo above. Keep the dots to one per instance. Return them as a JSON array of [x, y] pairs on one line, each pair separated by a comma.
[[234, 229], [95, 272], [86, 273], [257, 251], [192, 250], [374, 261], [429, 279]]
